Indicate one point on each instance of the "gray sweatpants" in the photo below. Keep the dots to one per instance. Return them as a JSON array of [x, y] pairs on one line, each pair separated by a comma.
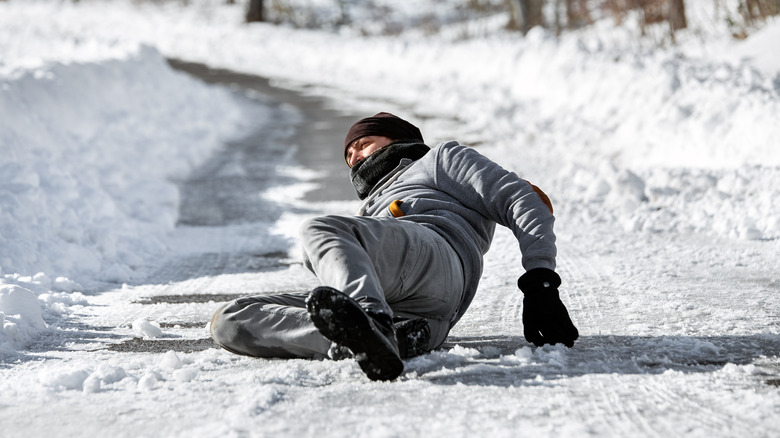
[[386, 264]]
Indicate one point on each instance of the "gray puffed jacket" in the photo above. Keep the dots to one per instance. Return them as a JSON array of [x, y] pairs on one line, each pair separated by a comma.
[[462, 195]]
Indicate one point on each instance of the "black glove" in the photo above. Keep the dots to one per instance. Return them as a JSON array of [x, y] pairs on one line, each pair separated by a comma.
[[545, 319]]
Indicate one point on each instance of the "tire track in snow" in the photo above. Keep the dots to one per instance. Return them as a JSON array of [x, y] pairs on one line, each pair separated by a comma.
[[652, 405], [588, 293], [589, 290], [701, 412], [633, 386]]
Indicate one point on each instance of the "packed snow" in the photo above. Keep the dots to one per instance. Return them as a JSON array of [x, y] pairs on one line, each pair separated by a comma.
[[662, 163]]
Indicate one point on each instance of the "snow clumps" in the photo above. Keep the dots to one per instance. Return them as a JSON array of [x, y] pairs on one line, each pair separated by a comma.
[[20, 316], [26, 303]]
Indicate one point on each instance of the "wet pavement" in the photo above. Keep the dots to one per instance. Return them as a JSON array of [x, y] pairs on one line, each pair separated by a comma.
[[319, 136]]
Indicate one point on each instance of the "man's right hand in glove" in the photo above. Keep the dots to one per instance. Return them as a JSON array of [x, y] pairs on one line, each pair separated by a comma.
[[545, 318]]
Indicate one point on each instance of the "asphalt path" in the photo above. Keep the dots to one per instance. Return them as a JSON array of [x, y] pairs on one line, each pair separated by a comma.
[[318, 137]]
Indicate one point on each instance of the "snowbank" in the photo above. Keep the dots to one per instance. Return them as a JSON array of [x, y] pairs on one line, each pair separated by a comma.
[[88, 154]]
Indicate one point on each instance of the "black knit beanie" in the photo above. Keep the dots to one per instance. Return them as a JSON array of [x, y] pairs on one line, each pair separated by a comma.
[[385, 125]]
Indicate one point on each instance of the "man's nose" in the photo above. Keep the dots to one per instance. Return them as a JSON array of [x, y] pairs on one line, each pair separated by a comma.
[[354, 158]]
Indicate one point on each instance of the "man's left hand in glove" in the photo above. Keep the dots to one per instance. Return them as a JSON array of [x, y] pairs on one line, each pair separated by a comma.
[[545, 318]]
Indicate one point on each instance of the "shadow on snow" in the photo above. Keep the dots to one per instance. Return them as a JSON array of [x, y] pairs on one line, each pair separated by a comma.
[[511, 361]]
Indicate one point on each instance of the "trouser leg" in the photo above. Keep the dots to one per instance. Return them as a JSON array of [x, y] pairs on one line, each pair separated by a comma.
[[384, 264], [388, 265], [268, 326]]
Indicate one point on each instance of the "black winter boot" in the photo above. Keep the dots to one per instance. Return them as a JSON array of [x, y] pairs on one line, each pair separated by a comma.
[[413, 336], [370, 336]]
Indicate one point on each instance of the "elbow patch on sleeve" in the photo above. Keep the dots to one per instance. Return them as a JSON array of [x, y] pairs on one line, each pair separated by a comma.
[[542, 195]]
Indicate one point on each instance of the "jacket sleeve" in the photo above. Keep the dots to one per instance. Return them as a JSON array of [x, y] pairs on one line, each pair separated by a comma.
[[500, 196]]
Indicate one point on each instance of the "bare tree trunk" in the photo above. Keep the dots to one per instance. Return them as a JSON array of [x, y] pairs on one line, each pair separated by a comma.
[[557, 20], [255, 11], [676, 16], [514, 15], [526, 14], [577, 14], [344, 13], [755, 9]]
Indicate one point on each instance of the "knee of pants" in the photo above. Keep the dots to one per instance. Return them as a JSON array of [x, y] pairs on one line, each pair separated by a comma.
[[308, 230], [216, 326], [316, 226], [223, 330], [316, 231], [314, 223]]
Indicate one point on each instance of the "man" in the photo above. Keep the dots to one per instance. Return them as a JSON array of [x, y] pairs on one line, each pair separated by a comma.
[[399, 275]]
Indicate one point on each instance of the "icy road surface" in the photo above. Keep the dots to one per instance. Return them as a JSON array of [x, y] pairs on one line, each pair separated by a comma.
[[675, 330]]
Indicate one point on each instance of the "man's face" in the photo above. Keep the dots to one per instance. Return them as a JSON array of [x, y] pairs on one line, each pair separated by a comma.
[[364, 146]]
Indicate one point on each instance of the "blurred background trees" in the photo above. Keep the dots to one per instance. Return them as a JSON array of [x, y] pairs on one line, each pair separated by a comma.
[[374, 17], [650, 12]]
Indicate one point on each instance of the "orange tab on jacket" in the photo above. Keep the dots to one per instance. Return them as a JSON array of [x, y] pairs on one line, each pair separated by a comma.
[[542, 195], [395, 208]]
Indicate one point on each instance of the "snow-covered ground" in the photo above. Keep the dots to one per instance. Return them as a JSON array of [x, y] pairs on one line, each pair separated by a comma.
[[663, 166]]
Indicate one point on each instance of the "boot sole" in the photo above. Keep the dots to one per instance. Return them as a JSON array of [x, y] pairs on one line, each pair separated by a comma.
[[344, 322], [413, 337]]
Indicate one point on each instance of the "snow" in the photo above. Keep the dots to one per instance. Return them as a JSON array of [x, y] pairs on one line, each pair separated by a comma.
[[20, 314], [74, 136], [147, 329], [662, 163]]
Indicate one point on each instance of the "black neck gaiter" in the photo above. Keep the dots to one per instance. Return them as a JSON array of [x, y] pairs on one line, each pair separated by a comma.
[[365, 174]]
